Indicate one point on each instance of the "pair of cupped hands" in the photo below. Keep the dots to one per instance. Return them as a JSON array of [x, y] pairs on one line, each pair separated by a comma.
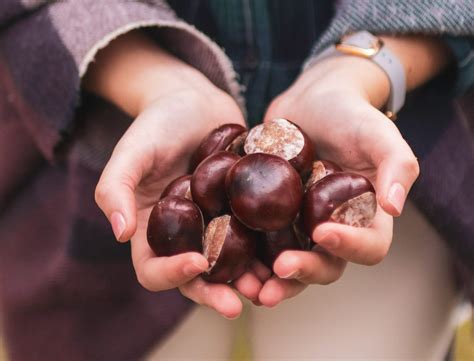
[[336, 103]]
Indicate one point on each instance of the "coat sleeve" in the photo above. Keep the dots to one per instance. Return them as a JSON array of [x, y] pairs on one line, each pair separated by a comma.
[[47, 46], [453, 20]]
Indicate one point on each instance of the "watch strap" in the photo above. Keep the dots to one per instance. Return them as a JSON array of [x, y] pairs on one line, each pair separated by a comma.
[[366, 45]]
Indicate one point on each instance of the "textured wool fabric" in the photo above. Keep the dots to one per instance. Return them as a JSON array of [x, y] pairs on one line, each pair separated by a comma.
[[48, 50], [433, 17]]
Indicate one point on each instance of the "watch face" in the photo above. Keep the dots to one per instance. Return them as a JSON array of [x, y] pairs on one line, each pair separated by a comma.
[[373, 46]]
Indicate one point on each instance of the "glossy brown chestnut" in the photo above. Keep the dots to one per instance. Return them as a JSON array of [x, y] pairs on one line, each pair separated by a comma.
[[229, 247], [306, 242], [282, 138], [221, 138], [175, 226], [265, 192], [342, 197], [320, 169], [208, 183], [181, 187], [274, 243], [237, 145]]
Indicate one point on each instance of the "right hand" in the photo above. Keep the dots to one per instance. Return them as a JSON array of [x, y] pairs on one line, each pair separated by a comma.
[[174, 116]]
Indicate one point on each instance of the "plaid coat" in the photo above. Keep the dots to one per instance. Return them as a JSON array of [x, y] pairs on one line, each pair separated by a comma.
[[67, 289]]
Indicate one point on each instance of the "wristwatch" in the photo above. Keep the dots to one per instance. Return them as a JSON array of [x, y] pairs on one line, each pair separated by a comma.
[[368, 46]]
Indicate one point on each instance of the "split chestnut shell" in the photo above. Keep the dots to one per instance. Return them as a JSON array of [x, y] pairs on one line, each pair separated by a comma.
[[282, 138], [320, 169], [343, 197], [229, 247]]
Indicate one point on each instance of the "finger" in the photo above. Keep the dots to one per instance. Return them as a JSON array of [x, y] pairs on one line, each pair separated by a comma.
[[115, 192], [262, 272], [216, 296], [275, 290], [163, 273], [309, 267], [366, 246], [248, 285], [395, 176], [397, 166]]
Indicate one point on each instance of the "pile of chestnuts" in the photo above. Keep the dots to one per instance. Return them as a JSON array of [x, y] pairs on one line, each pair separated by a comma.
[[253, 194]]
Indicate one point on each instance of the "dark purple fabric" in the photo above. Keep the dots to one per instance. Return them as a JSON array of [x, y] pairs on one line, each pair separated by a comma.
[[438, 130], [68, 289], [51, 115]]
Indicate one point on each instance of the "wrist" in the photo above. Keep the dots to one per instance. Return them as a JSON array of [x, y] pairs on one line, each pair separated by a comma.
[[160, 81], [132, 71], [351, 74]]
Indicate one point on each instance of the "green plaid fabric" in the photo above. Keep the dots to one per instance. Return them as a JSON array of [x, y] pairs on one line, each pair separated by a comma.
[[267, 40]]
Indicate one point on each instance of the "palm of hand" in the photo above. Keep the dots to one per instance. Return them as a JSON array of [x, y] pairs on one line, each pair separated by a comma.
[[347, 130], [155, 150]]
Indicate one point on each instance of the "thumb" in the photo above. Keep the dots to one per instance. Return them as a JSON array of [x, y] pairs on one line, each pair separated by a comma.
[[397, 166], [395, 177], [115, 192]]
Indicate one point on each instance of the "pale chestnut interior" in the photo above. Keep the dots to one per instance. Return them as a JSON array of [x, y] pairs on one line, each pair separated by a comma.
[[214, 239], [278, 137], [358, 211]]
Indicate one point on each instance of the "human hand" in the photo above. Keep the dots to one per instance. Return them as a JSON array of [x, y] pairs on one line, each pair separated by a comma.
[[334, 103], [175, 107]]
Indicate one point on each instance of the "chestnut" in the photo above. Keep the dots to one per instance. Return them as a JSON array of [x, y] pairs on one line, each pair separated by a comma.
[[237, 145], [175, 226], [342, 197], [282, 138], [304, 240], [181, 187], [274, 243], [265, 192], [320, 169], [221, 138], [229, 247], [208, 183]]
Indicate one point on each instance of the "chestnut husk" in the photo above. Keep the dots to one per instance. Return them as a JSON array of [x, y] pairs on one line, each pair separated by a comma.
[[180, 186], [265, 192], [319, 170], [208, 183], [221, 138], [283, 138], [229, 247], [341, 197], [175, 226]]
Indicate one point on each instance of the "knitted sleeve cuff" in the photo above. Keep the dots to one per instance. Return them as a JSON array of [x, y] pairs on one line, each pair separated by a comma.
[[48, 50], [436, 17]]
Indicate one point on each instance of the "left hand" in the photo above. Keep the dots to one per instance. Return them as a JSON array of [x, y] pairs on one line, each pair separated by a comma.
[[336, 102], [332, 102]]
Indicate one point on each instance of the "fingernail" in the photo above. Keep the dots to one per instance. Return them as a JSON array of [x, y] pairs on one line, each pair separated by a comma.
[[193, 269], [329, 241], [291, 275], [231, 318], [118, 224], [290, 262], [396, 197]]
